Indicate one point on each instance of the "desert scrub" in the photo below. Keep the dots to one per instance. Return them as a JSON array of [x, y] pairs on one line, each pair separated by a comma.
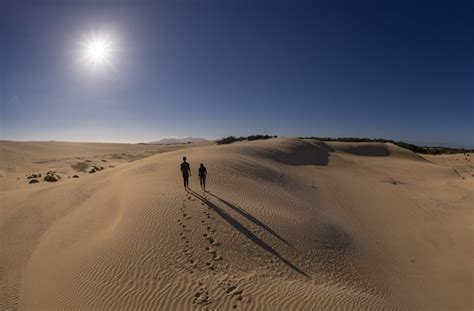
[[51, 176], [233, 139], [80, 166]]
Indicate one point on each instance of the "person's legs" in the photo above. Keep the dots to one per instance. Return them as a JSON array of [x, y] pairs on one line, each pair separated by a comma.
[[186, 180], [200, 180], [204, 182]]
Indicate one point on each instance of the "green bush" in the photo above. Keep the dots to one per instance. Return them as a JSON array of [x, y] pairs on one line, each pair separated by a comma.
[[51, 176], [259, 137], [233, 139]]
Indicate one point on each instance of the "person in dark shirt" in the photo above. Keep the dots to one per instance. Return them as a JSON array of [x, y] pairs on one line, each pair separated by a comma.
[[186, 171], [202, 176]]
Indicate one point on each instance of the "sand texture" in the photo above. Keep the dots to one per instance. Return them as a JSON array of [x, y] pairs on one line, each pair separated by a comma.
[[287, 224]]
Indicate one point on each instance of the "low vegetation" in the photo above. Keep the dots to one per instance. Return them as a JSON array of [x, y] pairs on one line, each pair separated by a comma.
[[233, 139], [51, 176], [80, 166], [412, 147], [95, 169]]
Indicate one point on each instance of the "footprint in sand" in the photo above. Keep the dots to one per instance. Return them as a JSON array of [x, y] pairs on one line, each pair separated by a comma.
[[234, 292], [230, 288], [210, 266], [213, 241], [211, 251], [201, 297]]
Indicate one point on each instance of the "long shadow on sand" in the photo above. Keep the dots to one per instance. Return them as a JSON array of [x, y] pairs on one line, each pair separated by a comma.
[[237, 225], [250, 217]]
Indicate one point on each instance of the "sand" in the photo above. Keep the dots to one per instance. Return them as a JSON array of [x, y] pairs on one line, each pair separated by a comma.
[[287, 224]]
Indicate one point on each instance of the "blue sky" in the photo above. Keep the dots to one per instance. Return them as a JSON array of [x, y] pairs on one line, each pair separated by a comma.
[[393, 69]]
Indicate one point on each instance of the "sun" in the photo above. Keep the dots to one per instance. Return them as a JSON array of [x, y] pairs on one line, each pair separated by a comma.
[[97, 50]]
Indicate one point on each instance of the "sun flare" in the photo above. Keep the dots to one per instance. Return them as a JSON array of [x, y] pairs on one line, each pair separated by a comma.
[[97, 50]]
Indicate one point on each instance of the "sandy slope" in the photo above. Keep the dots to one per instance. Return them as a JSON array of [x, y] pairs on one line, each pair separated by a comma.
[[18, 160], [287, 224]]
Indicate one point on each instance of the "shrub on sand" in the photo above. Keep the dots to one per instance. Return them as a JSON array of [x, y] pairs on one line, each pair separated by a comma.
[[233, 139], [51, 176]]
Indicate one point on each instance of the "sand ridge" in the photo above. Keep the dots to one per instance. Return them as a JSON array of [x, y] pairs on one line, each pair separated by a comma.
[[288, 224]]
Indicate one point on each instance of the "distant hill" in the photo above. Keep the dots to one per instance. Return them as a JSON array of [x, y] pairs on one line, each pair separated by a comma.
[[184, 140]]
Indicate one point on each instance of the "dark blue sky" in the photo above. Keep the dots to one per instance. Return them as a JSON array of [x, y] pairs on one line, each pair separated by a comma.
[[392, 69]]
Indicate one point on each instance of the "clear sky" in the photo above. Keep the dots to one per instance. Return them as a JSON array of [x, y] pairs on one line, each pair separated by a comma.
[[393, 69]]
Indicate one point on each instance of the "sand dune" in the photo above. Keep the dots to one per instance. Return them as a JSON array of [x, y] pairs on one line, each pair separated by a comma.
[[20, 160], [287, 225]]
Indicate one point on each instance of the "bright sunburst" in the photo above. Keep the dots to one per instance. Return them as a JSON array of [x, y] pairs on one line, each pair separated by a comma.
[[97, 50]]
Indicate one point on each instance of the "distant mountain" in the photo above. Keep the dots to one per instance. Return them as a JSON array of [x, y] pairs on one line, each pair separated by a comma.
[[184, 140]]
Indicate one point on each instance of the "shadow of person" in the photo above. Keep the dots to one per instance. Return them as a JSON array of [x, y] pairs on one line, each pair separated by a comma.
[[249, 234], [250, 217]]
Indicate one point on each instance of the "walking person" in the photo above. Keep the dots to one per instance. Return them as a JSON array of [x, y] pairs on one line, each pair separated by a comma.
[[202, 176], [186, 172]]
